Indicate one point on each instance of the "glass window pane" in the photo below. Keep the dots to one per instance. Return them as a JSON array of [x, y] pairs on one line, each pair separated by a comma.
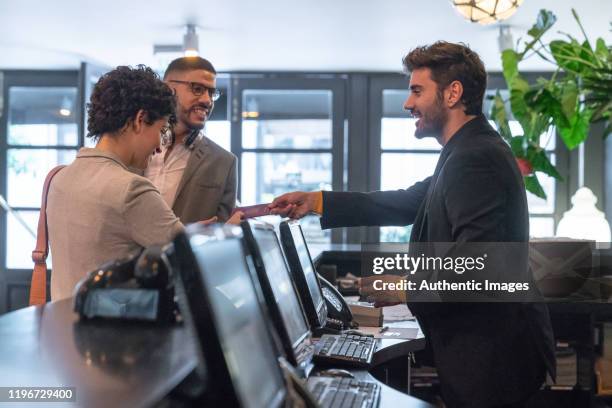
[[395, 234], [267, 175], [41, 116], [27, 169], [219, 131], [401, 170], [541, 227], [89, 142], [287, 134], [398, 133], [19, 242], [287, 119], [538, 205], [393, 102]]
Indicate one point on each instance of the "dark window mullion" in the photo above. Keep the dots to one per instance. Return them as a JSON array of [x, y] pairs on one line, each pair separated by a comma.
[[26, 208]]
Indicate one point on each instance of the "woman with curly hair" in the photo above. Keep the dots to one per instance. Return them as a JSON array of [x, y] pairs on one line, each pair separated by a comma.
[[98, 210]]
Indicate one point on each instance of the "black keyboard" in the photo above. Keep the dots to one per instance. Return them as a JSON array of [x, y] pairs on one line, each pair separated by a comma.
[[344, 392], [345, 349]]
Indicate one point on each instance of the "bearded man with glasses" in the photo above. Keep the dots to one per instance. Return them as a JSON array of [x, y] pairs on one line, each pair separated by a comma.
[[196, 177]]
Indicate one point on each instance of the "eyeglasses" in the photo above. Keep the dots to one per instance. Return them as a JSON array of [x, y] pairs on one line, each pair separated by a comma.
[[198, 89]]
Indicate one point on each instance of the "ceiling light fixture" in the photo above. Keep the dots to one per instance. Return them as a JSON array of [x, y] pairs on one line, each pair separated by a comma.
[[486, 11], [189, 48], [505, 40]]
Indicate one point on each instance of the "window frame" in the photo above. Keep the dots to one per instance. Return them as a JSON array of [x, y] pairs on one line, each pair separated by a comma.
[[18, 279], [283, 81]]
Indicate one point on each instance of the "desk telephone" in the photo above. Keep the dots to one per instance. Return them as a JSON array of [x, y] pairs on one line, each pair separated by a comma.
[[339, 314], [138, 287]]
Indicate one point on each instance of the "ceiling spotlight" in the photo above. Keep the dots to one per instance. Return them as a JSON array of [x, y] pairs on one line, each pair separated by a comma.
[[190, 42], [189, 48], [65, 107], [486, 11]]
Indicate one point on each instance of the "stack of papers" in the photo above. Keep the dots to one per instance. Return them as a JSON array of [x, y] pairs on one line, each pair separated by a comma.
[[366, 314]]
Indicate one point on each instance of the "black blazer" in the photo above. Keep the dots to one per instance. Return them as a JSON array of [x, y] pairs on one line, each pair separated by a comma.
[[486, 354]]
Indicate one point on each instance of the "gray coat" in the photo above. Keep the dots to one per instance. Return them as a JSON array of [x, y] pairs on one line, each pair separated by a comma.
[[97, 211], [208, 186]]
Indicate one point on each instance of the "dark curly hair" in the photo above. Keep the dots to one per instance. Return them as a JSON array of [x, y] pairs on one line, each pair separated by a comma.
[[450, 62], [121, 93]]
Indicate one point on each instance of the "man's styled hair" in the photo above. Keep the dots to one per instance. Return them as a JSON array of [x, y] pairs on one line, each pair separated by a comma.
[[121, 93], [189, 64], [450, 62]]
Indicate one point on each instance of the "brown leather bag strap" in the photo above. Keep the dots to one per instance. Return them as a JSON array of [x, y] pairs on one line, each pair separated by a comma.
[[38, 287]]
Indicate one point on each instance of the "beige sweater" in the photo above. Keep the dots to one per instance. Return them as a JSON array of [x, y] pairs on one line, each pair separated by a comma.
[[98, 211]]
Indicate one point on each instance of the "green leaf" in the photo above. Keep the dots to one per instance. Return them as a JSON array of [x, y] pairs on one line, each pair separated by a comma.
[[569, 97], [520, 110], [601, 50], [574, 57], [518, 87], [540, 162], [545, 20], [543, 101], [510, 60], [541, 126], [587, 54], [566, 55], [579, 23], [499, 115], [578, 130], [518, 145], [532, 184]]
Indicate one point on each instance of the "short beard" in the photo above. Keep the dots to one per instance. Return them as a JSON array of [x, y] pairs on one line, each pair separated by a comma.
[[191, 126], [196, 127], [433, 121]]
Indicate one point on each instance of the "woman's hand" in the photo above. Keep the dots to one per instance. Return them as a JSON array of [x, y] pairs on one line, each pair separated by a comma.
[[209, 221], [236, 218]]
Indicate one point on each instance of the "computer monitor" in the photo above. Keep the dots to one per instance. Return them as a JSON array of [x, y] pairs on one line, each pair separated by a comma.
[[303, 272], [221, 303], [279, 291]]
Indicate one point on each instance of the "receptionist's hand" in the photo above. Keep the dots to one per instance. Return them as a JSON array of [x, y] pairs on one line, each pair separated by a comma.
[[383, 290], [294, 205], [235, 218]]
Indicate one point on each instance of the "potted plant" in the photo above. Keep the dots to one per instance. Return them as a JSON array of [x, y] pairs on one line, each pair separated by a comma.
[[578, 93]]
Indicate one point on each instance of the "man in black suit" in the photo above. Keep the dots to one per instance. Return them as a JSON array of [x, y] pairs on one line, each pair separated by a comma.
[[486, 354]]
